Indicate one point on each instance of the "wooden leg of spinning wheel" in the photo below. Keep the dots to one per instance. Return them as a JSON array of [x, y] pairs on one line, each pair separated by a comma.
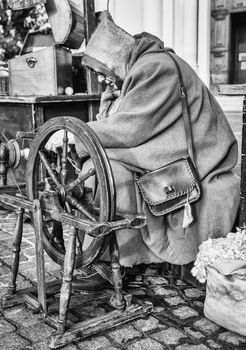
[[16, 250], [66, 288], [38, 227], [117, 301]]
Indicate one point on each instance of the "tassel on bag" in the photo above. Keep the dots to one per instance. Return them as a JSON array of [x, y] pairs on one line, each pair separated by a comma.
[[188, 218]]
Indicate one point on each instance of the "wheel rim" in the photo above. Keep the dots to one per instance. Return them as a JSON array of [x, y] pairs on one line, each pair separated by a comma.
[[105, 187]]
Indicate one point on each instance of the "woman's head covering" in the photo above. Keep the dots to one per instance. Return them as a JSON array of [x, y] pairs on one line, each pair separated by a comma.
[[109, 49]]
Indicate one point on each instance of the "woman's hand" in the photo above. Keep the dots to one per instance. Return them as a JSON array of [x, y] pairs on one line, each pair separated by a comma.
[[108, 97]]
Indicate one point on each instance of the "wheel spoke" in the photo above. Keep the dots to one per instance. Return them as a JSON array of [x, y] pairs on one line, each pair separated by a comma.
[[80, 179], [58, 161], [68, 207], [79, 207], [64, 170], [74, 155], [49, 169]]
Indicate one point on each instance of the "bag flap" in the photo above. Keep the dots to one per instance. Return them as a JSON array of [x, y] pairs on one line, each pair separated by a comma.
[[166, 183]]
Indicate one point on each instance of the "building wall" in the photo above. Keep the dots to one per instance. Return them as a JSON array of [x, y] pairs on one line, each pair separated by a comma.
[[181, 24]]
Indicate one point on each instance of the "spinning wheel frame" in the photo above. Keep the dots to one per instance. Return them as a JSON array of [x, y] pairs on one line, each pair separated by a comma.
[[104, 176]]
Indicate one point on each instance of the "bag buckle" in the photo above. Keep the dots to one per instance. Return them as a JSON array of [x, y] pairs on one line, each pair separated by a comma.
[[169, 189]]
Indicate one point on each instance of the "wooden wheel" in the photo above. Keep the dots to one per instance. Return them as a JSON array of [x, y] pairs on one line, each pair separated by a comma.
[[61, 170]]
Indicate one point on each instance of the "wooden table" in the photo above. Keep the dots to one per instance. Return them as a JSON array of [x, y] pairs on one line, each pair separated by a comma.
[[239, 90], [27, 113]]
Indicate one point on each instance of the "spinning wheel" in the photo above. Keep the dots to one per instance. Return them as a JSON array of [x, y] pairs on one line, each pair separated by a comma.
[[62, 174], [69, 186]]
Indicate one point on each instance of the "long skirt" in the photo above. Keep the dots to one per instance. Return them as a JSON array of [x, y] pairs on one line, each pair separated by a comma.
[[164, 239]]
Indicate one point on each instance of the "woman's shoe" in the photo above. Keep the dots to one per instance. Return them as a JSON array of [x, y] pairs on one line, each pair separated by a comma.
[[93, 278]]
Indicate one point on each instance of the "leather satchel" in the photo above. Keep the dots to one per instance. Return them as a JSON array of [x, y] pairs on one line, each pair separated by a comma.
[[176, 184], [170, 187]]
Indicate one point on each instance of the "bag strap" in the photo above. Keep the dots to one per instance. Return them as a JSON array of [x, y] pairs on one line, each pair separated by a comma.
[[185, 110]]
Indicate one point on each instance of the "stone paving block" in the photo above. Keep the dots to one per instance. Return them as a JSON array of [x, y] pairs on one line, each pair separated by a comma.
[[5, 327], [25, 266], [22, 283], [4, 252], [9, 221], [31, 274], [28, 228], [37, 332], [11, 218], [173, 301], [4, 280], [136, 291], [148, 324], [44, 346], [5, 235], [206, 326], [184, 312], [3, 290], [29, 252], [124, 334], [52, 267], [30, 236], [8, 242], [56, 274], [194, 293], [11, 215], [232, 338], [12, 342], [180, 283], [21, 315], [158, 309], [3, 211], [171, 336], [97, 343], [8, 226], [198, 304], [215, 345], [162, 291], [4, 270], [194, 333], [156, 280], [146, 344], [192, 347], [8, 260]]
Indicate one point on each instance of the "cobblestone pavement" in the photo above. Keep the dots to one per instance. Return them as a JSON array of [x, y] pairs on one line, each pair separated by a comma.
[[177, 321]]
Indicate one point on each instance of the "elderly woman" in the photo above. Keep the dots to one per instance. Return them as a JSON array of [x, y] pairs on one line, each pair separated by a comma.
[[141, 126]]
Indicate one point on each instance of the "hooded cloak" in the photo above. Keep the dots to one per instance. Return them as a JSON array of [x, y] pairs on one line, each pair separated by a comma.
[[144, 131]]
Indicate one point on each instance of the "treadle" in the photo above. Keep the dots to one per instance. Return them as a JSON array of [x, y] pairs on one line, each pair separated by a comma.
[[79, 330], [92, 326]]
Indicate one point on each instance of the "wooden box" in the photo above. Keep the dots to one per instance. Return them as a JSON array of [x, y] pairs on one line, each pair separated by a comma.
[[44, 72]]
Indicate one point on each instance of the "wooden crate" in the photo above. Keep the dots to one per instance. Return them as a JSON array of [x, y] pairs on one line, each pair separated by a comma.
[[45, 72]]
